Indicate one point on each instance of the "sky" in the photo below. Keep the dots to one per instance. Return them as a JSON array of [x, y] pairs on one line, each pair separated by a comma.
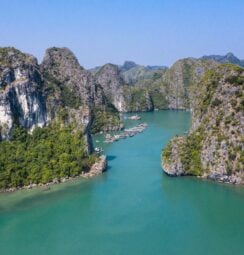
[[149, 32]]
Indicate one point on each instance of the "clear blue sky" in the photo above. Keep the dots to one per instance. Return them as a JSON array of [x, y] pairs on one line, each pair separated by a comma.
[[155, 32]]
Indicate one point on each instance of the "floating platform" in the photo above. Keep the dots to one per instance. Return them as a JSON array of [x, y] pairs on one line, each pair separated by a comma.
[[130, 132]]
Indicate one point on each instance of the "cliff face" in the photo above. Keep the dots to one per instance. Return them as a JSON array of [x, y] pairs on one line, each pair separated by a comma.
[[73, 93], [62, 98], [142, 93], [214, 147], [132, 87], [58, 89], [164, 88], [60, 65], [21, 99], [109, 78], [179, 81]]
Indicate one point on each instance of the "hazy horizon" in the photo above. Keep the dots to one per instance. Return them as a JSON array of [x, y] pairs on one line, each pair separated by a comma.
[[146, 32]]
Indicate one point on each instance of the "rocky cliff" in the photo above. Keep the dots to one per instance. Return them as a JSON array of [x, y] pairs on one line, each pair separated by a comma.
[[74, 87], [109, 77], [129, 87], [61, 98], [178, 82], [133, 87], [214, 146], [21, 98]]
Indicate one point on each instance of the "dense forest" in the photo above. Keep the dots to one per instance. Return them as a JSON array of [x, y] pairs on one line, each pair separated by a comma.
[[54, 151]]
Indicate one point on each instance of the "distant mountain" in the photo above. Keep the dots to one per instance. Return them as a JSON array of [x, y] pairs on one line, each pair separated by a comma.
[[128, 65], [132, 72], [156, 67], [131, 64], [228, 58], [94, 69]]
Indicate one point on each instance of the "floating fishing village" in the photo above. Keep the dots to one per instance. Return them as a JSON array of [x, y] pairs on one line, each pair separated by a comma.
[[129, 132]]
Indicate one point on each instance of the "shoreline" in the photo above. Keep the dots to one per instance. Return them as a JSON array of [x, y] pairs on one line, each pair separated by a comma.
[[232, 179], [96, 169]]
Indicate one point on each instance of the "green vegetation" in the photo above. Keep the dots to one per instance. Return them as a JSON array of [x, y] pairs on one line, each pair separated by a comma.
[[209, 84], [167, 151], [187, 74], [236, 78], [136, 98], [189, 148], [105, 120], [218, 88], [216, 102], [67, 96], [158, 97], [144, 98], [190, 153], [54, 151], [8, 55]]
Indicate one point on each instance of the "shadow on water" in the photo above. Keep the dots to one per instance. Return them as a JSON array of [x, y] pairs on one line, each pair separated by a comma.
[[108, 168], [111, 157]]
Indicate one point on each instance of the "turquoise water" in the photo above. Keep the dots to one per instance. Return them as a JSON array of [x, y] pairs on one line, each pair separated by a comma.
[[131, 209]]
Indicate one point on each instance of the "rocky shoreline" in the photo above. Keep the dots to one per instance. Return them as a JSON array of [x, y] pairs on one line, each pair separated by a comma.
[[232, 179], [97, 168]]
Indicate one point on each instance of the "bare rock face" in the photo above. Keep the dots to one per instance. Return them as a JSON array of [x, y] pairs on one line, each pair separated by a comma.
[[214, 147], [173, 166], [109, 78], [71, 89], [21, 98], [179, 81], [132, 87], [58, 89], [60, 65]]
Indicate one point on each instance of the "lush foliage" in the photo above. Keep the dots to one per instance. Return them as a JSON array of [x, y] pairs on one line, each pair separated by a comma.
[[50, 152], [66, 95], [167, 151], [138, 98], [105, 120], [191, 153], [158, 98]]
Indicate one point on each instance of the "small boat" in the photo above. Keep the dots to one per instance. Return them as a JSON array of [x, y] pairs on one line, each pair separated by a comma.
[[135, 117], [98, 150]]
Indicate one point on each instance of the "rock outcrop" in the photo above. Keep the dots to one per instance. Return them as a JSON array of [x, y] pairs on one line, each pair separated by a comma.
[[109, 78], [21, 98], [133, 87], [97, 168], [178, 82], [76, 88], [214, 147], [61, 98]]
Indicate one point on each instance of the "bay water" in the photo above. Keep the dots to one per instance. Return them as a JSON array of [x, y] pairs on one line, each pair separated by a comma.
[[133, 208]]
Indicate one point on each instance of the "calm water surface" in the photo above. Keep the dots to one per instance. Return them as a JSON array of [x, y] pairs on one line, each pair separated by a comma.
[[132, 209]]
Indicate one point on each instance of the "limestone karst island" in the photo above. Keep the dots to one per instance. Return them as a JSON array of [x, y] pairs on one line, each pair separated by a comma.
[[121, 127]]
